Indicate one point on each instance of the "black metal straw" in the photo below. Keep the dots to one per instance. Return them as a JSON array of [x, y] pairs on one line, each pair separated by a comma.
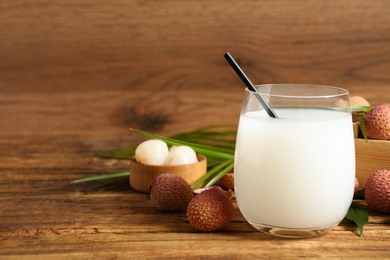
[[250, 86]]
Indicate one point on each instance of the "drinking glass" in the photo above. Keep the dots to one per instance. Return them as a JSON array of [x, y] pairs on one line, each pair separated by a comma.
[[295, 175]]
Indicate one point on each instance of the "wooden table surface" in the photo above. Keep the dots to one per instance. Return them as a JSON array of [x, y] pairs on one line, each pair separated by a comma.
[[75, 75]]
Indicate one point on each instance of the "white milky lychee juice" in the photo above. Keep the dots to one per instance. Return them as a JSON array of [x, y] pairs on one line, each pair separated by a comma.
[[297, 171]]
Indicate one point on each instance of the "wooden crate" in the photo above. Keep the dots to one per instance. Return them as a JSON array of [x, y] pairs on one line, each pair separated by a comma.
[[371, 155]]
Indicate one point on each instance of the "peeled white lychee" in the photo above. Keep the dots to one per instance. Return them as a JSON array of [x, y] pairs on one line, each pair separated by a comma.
[[179, 155], [152, 152]]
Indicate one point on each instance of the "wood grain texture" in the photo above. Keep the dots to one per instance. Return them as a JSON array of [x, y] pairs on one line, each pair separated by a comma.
[[160, 63], [371, 156], [76, 74]]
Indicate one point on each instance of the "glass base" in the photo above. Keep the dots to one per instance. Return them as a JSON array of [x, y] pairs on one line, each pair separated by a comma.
[[291, 232]]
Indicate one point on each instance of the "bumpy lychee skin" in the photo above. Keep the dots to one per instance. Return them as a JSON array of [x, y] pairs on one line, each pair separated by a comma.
[[358, 101], [377, 122], [377, 191], [353, 101], [170, 192], [356, 187], [211, 210], [227, 181]]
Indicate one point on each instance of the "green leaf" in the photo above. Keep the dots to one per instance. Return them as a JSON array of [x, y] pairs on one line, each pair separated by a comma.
[[217, 136], [215, 142], [221, 136], [220, 174], [101, 177], [361, 108], [208, 151], [363, 128], [359, 216], [213, 171]]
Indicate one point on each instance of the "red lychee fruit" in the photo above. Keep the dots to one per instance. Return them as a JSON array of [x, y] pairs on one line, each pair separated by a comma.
[[377, 122], [377, 191], [170, 192], [353, 101], [356, 187], [358, 101], [227, 181], [211, 210]]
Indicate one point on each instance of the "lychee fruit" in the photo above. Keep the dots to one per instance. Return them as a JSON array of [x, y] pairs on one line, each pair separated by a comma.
[[358, 101], [353, 101], [170, 192], [211, 210], [377, 191], [356, 187], [152, 152], [377, 122], [179, 155], [227, 181]]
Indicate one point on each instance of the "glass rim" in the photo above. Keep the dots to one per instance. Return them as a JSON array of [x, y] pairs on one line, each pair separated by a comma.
[[341, 91]]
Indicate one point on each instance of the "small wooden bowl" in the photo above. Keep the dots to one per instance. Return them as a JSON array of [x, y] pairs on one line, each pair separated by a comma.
[[142, 175]]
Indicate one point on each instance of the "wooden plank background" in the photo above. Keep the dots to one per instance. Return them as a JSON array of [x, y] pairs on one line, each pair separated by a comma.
[[76, 74], [158, 65]]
